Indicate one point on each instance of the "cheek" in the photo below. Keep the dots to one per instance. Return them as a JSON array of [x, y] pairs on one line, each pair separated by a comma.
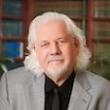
[[71, 53], [67, 53], [41, 55]]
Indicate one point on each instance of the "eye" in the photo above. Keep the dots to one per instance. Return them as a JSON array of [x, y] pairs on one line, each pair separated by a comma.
[[44, 44], [62, 41]]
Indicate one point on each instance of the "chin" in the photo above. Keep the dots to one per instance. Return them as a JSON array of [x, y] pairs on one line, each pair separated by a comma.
[[57, 71]]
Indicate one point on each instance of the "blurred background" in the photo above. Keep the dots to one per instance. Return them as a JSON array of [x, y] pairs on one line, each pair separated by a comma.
[[93, 16]]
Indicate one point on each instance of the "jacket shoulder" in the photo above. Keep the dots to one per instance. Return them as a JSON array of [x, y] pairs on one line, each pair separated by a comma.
[[98, 83], [18, 76], [95, 78]]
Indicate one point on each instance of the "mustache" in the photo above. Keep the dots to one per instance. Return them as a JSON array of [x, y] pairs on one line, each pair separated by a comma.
[[55, 58]]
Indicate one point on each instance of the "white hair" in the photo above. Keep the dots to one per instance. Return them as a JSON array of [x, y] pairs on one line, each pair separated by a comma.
[[31, 61]]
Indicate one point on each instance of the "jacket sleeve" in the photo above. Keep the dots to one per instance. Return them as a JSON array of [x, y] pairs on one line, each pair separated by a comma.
[[108, 106], [4, 102]]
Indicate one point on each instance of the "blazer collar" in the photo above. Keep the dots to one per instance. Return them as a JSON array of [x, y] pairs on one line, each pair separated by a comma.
[[80, 98]]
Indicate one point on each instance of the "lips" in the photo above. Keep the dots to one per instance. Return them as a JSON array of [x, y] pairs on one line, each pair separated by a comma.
[[55, 59]]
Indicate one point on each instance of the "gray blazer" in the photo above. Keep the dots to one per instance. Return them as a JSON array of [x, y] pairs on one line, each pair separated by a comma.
[[23, 90]]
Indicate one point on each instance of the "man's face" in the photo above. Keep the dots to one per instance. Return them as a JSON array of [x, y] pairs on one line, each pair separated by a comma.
[[56, 50]]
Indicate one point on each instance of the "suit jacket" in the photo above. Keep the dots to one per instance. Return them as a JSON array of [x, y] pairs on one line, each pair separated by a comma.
[[23, 90]]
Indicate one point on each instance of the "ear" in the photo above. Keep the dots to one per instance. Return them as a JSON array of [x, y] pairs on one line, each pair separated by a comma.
[[35, 47], [77, 45], [77, 42]]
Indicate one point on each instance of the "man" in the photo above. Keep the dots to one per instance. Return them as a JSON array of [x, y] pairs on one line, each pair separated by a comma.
[[57, 62]]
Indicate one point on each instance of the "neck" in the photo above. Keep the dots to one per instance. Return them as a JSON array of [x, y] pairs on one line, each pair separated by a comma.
[[59, 81]]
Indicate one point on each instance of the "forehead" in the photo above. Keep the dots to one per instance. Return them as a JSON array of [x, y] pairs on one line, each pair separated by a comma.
[[52, 29]]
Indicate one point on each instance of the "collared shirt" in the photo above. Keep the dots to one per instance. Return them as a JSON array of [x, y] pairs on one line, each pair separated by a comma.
[[64, 92]]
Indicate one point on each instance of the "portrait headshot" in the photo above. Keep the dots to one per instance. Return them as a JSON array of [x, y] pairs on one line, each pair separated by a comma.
[[54, 75]]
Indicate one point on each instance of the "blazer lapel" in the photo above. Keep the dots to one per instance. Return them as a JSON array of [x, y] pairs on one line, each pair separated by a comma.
[[80, 98], [38, 95]]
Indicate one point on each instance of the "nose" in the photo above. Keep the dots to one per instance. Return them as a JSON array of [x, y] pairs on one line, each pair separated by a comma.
[[55, 49]]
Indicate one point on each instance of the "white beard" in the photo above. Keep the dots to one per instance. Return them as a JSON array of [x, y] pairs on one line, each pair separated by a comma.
[[57, 72]]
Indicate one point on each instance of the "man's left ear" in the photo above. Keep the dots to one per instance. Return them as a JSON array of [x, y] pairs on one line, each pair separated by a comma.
[[77, 43]]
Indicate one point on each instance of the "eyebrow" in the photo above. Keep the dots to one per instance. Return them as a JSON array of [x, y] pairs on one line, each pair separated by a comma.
[[64, 37], [43, 41]]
